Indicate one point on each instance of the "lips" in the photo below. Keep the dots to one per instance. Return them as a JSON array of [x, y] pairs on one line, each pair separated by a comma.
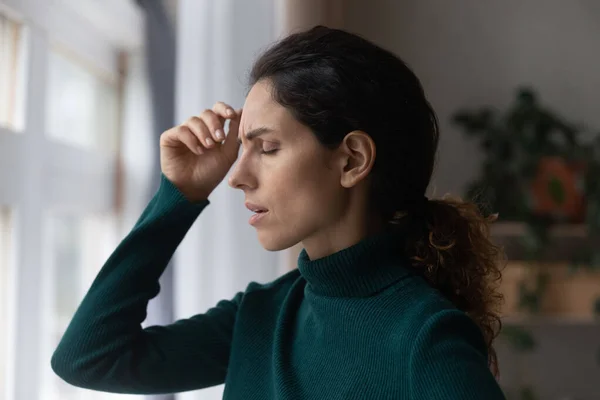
[[256, 208], [259, 213]]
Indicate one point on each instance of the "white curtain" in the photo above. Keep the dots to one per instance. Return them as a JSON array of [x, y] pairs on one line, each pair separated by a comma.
[[138, 143], [217, 41]]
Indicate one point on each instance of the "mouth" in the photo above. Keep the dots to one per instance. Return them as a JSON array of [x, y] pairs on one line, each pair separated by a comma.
[[259, 213], [255, 208]]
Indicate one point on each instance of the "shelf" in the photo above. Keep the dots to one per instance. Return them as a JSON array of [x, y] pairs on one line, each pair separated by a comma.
[[566, 241], [568, 296], [561, 320], [504, 229]]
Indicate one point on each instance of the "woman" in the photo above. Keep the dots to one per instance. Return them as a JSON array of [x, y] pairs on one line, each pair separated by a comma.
[[394, 295]]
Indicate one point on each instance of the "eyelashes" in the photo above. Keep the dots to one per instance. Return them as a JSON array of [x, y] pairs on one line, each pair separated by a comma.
[[268, 148], [265, 148], [269, 152]]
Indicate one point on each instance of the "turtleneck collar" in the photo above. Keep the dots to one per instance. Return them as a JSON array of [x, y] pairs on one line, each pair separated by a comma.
[[360, 270]]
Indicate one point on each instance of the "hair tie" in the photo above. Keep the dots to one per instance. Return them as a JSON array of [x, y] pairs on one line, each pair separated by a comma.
[[420, 207], [417, 208]]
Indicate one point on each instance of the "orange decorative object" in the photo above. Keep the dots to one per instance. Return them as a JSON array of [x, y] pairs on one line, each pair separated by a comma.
[[557, 189]]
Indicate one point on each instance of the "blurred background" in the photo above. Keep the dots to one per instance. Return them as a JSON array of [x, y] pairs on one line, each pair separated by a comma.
[[87, 86]]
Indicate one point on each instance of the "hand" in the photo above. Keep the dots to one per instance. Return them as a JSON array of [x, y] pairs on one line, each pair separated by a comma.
[[197, 155]]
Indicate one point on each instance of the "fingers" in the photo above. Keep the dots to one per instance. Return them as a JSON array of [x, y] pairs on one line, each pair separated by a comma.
[[207, 130], [201, 131], [182, 134], [209, 125], [231, 146], [224, 110], [214, 123]]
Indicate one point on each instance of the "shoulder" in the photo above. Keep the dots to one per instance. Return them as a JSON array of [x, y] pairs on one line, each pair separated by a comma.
[[431, 318], [419, 301], [448, 355], [449, 359], [439, 327], [446, 329]]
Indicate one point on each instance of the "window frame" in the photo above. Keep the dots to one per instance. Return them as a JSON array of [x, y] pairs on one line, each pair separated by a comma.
[[6, 289], [15, 107], [39, 175]]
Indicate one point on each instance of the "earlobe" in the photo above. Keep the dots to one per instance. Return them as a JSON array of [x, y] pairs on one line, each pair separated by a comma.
[[359, 155]]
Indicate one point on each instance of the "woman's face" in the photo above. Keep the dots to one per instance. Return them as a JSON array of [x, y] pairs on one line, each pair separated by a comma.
[[286, 174]]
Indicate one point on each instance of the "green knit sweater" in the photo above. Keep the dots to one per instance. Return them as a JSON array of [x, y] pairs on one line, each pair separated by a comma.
[[353, 325]]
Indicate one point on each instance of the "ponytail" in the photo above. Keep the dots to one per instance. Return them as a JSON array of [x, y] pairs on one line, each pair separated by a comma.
[[455, 255]]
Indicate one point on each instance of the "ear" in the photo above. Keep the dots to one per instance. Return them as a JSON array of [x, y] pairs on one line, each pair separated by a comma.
[[358, 156]]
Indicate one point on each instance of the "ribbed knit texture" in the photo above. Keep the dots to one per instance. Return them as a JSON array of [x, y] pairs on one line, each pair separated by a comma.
[[357, 324]]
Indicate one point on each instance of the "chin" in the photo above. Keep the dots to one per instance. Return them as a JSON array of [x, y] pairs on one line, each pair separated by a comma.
[[271, 241]]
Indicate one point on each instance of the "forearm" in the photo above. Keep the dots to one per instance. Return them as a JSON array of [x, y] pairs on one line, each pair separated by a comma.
[[107, 324]]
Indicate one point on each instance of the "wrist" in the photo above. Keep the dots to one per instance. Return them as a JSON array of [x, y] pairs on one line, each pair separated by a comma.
[[191, 194]]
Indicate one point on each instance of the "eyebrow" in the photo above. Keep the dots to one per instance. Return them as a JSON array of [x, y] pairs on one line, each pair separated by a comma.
[[256, 132]]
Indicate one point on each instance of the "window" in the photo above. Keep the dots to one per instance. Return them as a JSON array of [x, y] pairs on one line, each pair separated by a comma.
[[81, 103], [5, 275], [11, 76], [60, 88], [77, 247]]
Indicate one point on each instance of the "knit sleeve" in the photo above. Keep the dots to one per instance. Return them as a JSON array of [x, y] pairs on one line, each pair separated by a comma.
[[449, 361], [105, 348]]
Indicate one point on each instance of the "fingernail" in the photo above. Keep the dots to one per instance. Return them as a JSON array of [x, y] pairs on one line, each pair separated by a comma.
[[230, 113], [209, 142], [219, 134]]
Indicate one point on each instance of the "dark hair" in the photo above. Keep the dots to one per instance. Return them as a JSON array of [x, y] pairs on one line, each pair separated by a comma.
[[336, 82]]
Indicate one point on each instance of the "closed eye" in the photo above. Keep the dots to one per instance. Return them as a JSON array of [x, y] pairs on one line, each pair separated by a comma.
[[267, 152], [268, 148]]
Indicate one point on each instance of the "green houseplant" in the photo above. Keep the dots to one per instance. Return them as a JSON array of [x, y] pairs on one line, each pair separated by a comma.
[[540, 170]]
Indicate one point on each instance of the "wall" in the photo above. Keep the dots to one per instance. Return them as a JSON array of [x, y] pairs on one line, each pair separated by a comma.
[[471, 53]]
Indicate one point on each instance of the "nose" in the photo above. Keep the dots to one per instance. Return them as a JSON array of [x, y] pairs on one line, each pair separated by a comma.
[[241, 176]]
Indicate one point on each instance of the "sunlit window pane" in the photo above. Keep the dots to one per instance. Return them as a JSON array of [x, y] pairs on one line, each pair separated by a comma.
[[5, 247], [11, 73], [82, 104], [79, 245], [67, 257]]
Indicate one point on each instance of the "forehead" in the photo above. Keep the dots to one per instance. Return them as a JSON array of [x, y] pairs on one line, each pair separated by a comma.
[[260, 110]]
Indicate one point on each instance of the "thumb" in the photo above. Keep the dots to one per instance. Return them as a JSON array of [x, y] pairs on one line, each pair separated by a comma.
[[231, 146]]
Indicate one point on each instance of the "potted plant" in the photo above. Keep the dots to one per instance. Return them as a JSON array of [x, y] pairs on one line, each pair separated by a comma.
[[543, 172], [538, 169]]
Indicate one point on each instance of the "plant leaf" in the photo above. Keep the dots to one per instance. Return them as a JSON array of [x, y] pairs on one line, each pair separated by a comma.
[[527, 393], [519, 338], [557, 191], [597, 307]]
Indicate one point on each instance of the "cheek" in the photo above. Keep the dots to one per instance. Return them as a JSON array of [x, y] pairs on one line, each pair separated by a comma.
[[305, 192]]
